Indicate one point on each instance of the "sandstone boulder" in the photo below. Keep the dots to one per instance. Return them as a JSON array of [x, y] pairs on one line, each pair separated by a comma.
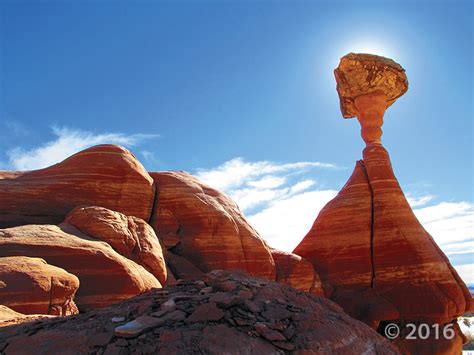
[[285, 320], [297, 272], [131, 237], [105, 276], [31, 286], [206, 227], [104, 175]]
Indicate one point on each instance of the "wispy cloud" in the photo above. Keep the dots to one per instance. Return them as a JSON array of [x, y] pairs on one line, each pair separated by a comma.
[[282, 202], [237, 172], [67, 141], [261, 183]]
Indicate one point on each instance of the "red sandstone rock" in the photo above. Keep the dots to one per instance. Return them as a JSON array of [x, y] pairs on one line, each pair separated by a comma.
[[294, 321], [297, 272], [130, 236], [206, 227], [368, 245], [104, 175], [31, 286], [105, 276]]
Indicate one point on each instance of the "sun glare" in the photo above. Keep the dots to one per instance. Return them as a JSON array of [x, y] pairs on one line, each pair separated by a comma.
[[369, 47]]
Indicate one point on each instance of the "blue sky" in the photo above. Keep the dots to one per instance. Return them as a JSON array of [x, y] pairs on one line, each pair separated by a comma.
[[245, 88]]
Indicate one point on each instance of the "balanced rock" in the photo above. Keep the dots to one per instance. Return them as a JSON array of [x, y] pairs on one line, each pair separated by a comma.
[[285, 320], [31, 286], [104, 175], [206, 227], [105, 276], [362, 74], [374, 257], [297, 272], [130, 236]]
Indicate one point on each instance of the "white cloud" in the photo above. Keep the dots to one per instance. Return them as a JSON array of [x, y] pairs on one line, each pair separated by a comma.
[[268, 182], [418, 201], [283, 209], [286, 209], [285, 222], [236, 172], [67, 142]]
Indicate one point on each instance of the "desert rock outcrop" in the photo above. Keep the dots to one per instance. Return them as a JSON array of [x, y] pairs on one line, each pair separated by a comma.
[[105, 175], [206, 227], [105, 276], [130, 236], [31, 286]]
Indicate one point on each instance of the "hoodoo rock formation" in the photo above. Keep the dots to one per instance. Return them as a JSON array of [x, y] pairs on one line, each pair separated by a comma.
[[105, 175], [373, 256], [207, 316], [206, 227]]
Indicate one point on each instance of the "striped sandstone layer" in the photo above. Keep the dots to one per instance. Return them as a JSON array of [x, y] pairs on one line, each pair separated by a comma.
[[105, 175], [378, 262], [105, 276], [131, 237]]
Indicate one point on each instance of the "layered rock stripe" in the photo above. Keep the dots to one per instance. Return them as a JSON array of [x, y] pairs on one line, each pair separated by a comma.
[[206, 227]]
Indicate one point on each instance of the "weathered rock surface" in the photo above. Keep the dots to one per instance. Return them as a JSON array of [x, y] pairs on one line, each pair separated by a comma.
[[130, 236], [104, 175], [105, 276], [270, 318], [297, 272], [206, 227], [374, 257], [362, 74], [31, 286]]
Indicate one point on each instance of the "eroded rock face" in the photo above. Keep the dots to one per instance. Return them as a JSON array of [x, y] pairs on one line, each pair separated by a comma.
[[206, 227], [252, 317], [131, 237], [105, 276], [297, 272], [377, 261], [31, 286], [104, 175]]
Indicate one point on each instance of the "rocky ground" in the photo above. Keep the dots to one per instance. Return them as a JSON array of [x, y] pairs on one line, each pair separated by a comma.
[[223, 313]]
